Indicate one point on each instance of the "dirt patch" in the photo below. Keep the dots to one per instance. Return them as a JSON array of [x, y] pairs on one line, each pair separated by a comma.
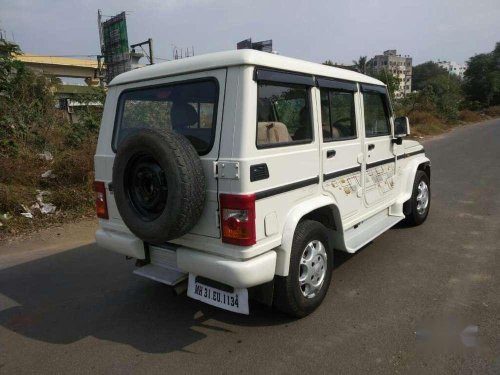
[[44, 242]]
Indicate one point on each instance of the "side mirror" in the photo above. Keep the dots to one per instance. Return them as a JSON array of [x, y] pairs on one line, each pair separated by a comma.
[[401, 127]]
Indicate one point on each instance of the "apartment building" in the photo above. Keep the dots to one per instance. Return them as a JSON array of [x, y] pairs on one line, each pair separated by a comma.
[[397, 65], [453, 68]]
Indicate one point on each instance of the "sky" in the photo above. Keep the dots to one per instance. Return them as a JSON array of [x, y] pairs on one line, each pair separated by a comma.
[[339, 30]]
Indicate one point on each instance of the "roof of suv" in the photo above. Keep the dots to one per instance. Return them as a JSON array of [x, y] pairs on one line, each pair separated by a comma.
[[239, 57]]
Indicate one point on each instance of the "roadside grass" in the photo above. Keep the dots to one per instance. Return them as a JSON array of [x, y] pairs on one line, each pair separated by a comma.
[[493, 111], [469, 116], [68, 188], [424, 124]]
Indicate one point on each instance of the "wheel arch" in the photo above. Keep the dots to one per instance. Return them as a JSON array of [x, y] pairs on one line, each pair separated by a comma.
[[408, 176], [426, 167], [323, 209]]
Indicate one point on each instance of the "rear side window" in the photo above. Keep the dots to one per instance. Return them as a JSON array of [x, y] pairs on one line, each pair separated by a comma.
[[338, 115], [376, 114], [283, 115], [188, 108]]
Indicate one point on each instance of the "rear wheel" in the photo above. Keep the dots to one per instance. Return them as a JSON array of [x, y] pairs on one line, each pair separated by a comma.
[[311, 263], [419, 204]]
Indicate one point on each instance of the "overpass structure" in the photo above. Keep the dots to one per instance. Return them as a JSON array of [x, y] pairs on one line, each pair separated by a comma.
[[64, 67]]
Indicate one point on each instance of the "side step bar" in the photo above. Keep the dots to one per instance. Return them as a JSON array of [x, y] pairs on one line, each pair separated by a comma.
[[359, 235]]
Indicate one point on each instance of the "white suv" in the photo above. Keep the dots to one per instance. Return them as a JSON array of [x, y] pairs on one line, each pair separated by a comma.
[[236, 174]]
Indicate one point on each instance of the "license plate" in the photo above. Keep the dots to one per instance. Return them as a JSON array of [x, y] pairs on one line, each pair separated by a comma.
[[237, 301]]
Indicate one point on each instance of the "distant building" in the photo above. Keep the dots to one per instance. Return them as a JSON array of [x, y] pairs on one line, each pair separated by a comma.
[[397, 65], [453, 68], [68, 101]]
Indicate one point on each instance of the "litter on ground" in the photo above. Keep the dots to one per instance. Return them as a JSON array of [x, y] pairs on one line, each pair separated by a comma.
[[46, 155], [40, 205], [48, 174]]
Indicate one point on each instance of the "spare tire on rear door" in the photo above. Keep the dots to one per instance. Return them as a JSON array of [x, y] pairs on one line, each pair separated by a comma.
[[158, 184]]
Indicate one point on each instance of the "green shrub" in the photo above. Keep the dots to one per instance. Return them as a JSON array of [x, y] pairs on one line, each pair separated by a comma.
[[30, 125]]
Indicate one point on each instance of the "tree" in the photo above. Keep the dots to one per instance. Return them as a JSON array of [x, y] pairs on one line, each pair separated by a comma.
[[389, 79], [441, 96], [26, 102], [360, 65], [424, 72], [482, 78], [416, 101], [7, 48], [9, 67], [347, 67], [445, 91], [438, 91]]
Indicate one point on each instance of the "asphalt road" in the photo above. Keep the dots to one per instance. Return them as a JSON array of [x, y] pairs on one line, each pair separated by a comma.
[[422, 300]]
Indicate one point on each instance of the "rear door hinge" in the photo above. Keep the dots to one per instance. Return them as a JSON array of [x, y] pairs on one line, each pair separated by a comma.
[[227, 169]]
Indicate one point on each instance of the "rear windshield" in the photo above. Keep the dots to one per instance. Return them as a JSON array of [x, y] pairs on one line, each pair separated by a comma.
[[188, 108]]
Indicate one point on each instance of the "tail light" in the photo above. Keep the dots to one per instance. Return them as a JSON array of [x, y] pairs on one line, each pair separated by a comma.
[[100, 200], [238, 219]]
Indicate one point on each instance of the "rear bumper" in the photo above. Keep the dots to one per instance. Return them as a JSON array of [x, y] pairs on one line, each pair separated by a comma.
[[238, 274], [120, 242]]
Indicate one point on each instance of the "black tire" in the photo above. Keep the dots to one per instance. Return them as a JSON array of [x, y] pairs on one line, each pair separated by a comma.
[[413, 216], [159, 185], [288, 294]]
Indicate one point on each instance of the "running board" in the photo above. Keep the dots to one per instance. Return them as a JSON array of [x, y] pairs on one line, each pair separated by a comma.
[[165, 275], [359, 235]]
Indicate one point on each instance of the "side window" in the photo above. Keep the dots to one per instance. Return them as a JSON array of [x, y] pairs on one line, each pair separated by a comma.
[[376, 115], [338, 115], [283, 114]]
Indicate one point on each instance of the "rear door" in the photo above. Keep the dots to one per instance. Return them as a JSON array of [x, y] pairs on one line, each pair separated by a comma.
[[191, 105], [379, 159], [281, 140], [341, 149]]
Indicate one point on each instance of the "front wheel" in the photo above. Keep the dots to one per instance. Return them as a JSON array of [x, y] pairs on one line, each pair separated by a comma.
[[311, 263], [420, 201]]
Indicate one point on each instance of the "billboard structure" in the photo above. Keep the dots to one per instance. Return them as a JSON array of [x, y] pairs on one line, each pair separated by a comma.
[[114, 45], [244, 44], [264, 46]]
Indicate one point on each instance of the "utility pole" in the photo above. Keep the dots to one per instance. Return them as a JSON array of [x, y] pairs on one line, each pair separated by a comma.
[[149, 42], [100, 73], [151, 59], [99, 26]]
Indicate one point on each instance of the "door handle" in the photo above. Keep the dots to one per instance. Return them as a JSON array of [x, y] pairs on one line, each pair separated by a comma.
[[371, 147], [331, 153]]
